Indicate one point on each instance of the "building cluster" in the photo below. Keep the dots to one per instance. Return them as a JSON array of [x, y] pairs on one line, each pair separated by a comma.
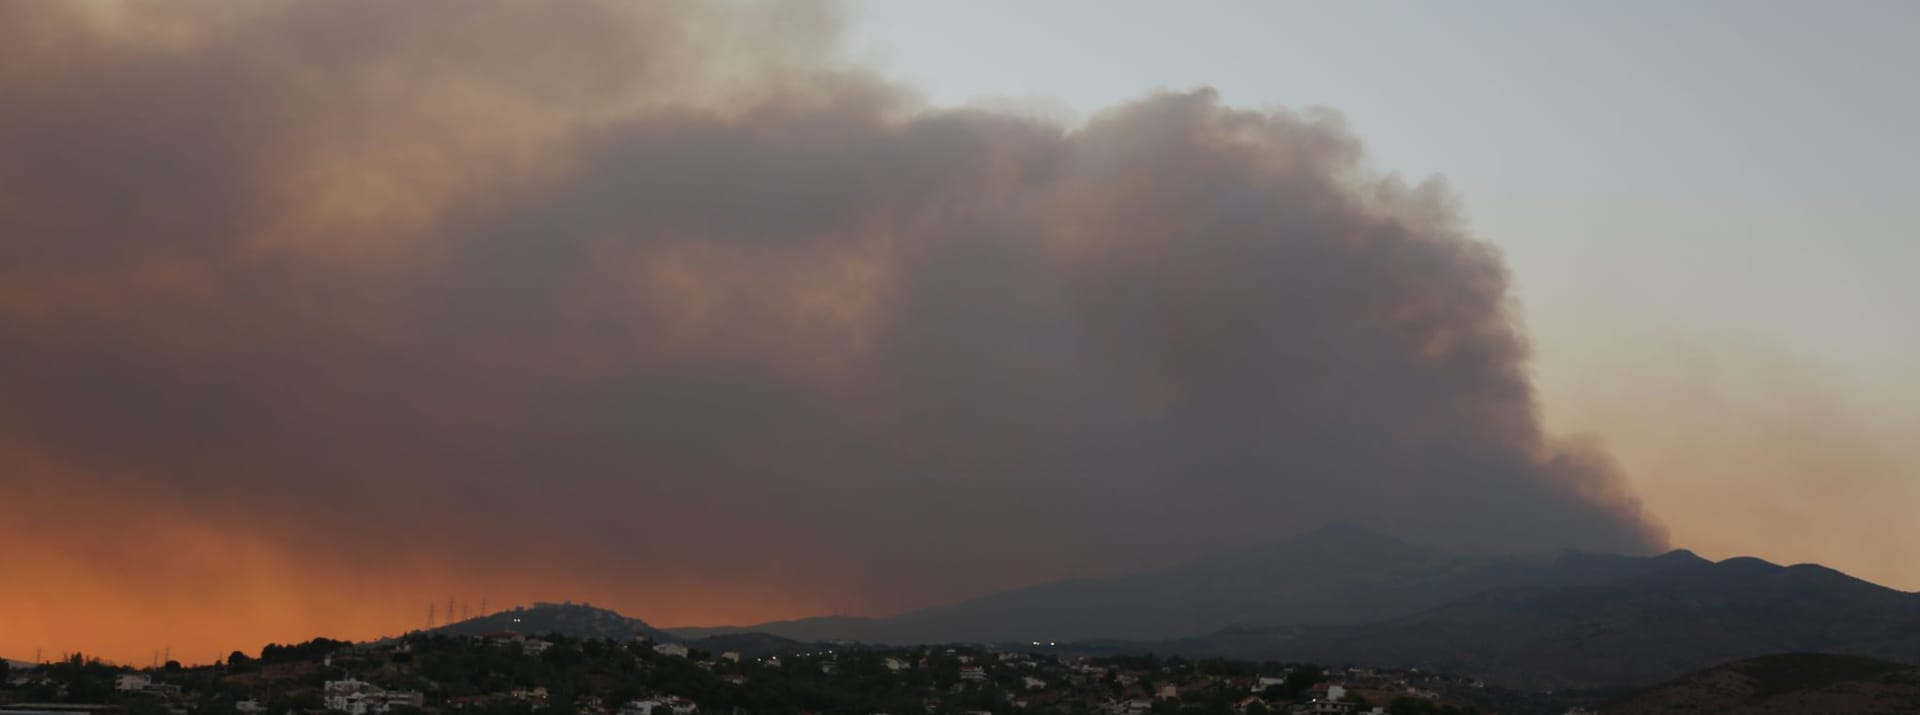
[[358, 697], [511, 673]]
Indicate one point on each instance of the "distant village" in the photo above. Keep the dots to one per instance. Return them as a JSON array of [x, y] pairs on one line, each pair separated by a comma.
[[513, 674]]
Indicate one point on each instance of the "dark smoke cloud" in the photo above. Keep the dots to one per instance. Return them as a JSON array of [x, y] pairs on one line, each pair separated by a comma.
[[662, 295]]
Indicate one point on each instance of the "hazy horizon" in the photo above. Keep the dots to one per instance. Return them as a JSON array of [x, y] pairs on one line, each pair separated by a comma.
[[734, 312]]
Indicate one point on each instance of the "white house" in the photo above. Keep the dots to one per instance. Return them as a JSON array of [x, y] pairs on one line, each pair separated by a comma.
[[660, 706], [132, 681], [641, 707], [355, 697], [1327, 707], [674, 650], [1034, 683], [402, 699]]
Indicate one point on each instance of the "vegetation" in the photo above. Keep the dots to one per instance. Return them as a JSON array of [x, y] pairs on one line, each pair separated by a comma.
[[505, 674]]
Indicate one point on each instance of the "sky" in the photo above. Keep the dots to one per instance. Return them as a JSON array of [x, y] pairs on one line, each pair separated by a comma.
[[1707, 208], [318, 314]]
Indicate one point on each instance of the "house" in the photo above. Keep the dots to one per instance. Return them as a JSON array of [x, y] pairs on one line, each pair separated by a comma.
[[132, 681], [1325, 707], [1168, 692], [972, 672], [392, 699], [501, 638], [347, 687], [250, 706], [534, 646], [641, 707], [1033, 683], [674, 650], [660, 706], [730, 656], [1267, 681], [896, 665]]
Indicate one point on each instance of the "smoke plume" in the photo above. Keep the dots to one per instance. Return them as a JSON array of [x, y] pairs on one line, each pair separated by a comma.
[[310, 313]]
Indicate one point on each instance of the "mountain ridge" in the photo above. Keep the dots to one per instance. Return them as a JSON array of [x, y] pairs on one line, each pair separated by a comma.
[[1341, 573], [1554, 620], [1618, 634]]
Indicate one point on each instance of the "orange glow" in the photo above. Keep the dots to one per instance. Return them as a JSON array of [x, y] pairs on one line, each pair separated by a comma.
[[124, 581]]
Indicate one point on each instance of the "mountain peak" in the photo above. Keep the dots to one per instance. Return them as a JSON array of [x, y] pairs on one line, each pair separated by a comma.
[[1682, 556], [580, 620]]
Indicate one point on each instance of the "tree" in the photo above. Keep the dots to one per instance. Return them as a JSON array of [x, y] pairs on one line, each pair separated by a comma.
[[1302, 679], [1409, 705], [239, 662]]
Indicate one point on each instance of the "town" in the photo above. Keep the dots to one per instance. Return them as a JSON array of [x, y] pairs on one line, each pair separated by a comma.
[[514, 674]]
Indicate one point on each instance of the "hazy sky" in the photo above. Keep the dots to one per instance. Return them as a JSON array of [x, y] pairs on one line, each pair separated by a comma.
[[1710, 210], [316, 313]]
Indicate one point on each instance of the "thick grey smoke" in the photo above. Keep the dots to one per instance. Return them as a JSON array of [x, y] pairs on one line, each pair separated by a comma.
[[663, 295]]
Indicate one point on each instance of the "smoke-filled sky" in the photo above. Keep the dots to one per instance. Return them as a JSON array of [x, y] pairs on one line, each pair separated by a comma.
[[1707, 208], [313, 314]]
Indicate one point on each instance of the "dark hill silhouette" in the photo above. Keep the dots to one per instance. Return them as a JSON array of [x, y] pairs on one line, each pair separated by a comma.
[[577, 620], [1347, 595], [753, 645], [1792, 684], [1629, 632], [1339, 574]]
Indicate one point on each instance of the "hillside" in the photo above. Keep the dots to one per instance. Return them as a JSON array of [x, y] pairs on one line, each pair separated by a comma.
[[433, 673], [574, 620], [1796, 684], [1340, 574], [820, 629], [1628, 633], [753, 645], [1347, 595]]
